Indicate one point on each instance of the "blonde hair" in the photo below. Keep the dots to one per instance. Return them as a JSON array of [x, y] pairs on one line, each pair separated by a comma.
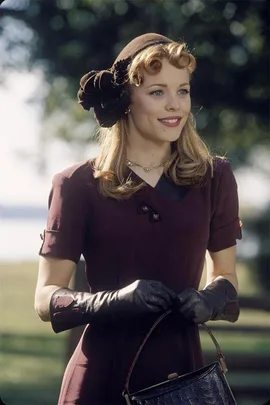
[[190, 157]]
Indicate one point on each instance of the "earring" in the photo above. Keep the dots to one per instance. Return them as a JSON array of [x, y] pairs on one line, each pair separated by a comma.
[[127, 110]]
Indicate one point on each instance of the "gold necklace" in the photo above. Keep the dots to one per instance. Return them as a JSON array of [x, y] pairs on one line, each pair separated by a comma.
[[145, 168]]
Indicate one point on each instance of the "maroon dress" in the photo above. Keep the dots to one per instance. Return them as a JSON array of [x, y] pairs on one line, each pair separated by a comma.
[[160, 233]]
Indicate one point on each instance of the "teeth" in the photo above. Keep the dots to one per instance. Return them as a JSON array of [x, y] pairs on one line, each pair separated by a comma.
[[173, 121]]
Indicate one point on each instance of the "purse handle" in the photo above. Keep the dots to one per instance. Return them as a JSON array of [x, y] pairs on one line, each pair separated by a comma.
[[220, 355]]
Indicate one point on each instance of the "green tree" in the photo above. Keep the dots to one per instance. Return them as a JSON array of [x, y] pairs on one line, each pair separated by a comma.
[[229, 38]]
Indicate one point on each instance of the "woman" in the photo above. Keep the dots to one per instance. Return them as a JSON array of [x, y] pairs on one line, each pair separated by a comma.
[[143, 214]]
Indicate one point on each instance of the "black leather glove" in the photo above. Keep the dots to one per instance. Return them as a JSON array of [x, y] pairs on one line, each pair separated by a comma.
[[218, 301], [69, 309]]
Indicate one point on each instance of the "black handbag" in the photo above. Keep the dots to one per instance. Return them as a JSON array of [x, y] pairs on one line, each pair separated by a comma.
[[205, 386]]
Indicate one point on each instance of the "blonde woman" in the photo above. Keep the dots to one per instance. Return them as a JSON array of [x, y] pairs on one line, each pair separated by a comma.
[[143, 214]]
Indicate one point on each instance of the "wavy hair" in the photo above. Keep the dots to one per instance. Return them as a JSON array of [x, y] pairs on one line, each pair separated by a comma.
[[190, 158]]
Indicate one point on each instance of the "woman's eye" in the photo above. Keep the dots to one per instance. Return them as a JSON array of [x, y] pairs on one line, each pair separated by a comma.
[[156, 93], [183, 92]]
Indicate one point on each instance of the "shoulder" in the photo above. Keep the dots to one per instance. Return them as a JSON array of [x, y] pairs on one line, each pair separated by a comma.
[[223, 180], [77, 175], [220, 166], [222, 170]]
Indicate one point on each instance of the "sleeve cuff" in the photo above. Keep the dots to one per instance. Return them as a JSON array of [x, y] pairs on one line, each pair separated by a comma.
[[225, 237], [54, 245]]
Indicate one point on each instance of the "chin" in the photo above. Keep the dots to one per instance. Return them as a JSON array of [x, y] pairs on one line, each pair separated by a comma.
[[164, 136], [161, 140], [170, 137], [174, 138]]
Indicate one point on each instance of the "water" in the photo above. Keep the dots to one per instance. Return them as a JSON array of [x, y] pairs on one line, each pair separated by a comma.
[[20, 239]]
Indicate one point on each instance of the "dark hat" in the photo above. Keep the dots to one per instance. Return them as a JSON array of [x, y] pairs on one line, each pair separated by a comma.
[[140, 43], [106, 90]]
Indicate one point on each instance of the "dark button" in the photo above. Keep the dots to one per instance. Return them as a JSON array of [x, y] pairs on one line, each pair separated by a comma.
[[143, 208], [156, 217]]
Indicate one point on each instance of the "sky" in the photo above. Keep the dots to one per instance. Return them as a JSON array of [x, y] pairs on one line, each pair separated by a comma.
[[20, 183], [20, 126]]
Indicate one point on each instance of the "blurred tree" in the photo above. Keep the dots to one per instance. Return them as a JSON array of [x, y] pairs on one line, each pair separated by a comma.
[[229, 38], [261, 227]]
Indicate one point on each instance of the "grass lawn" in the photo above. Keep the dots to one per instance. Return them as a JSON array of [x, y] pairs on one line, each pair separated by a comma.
[[32, 357]]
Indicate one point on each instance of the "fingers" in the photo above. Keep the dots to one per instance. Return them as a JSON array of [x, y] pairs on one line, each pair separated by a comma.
[[163, 296], [157, 296], [158, 301], [171, 294], [185, 296], [188, 311], [187, 302], [194, 307]]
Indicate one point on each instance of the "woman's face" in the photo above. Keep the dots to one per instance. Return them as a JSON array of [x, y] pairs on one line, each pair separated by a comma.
[[161, 104]]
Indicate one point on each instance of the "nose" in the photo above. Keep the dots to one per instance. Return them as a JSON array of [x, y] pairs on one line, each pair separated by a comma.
[[172, 102]]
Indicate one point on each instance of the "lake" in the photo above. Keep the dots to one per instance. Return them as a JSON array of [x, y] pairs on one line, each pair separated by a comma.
[[20, 239]]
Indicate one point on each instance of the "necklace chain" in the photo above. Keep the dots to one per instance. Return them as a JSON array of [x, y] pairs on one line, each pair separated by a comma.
[[145, 168]]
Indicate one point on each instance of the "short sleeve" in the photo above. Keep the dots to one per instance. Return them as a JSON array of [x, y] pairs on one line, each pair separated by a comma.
[[65, 232], [225, 226]]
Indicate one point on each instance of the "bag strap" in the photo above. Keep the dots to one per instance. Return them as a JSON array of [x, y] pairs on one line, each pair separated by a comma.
[[220, 355]]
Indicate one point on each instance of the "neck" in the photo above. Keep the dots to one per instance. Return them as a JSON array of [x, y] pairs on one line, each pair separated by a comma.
[[148, 153]]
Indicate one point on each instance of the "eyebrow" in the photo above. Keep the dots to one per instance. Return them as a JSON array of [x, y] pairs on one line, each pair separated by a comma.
[[165, 85]]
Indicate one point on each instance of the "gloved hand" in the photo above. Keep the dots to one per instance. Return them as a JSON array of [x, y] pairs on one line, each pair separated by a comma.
[[218, 301], [69, 309]]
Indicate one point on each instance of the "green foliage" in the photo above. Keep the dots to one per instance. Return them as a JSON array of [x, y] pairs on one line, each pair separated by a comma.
[[31, 368], [261, 265], [229, 39]]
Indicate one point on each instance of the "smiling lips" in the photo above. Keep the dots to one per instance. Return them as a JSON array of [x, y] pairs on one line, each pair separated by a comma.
[[171, 121]]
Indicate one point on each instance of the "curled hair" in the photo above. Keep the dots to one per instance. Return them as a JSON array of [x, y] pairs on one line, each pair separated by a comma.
[[190, 158], [150, 60]]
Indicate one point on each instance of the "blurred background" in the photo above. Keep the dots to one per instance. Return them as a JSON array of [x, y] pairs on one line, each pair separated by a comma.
[[45, 47]]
